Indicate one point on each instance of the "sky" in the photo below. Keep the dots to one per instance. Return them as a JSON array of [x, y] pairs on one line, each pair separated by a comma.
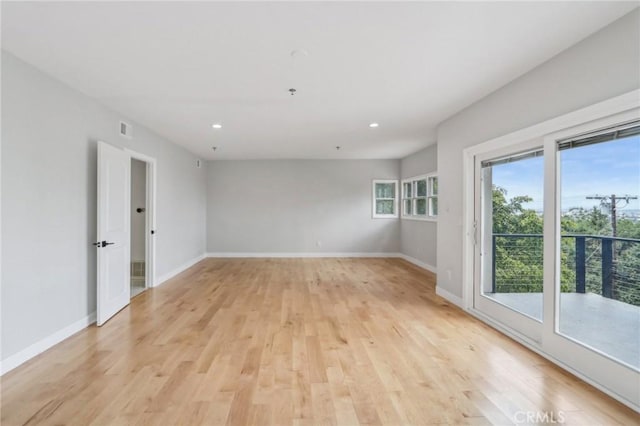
[[604, 169]]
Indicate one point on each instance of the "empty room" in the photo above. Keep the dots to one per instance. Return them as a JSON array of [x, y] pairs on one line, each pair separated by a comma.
[[320, 213]]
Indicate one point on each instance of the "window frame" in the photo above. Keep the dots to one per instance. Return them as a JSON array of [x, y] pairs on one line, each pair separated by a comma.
[[374, 199], [430, 195]]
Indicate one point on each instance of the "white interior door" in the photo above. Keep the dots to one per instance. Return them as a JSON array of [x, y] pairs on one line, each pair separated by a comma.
[[114, 175]]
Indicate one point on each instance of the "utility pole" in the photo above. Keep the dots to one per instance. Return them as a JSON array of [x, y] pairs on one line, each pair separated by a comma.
[[611, 201]]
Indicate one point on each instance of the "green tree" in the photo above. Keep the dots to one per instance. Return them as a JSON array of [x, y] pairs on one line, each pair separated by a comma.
[[586, 222], [518, 259]]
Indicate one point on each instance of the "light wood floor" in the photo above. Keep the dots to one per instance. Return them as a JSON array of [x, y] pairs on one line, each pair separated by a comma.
[[296, 341]]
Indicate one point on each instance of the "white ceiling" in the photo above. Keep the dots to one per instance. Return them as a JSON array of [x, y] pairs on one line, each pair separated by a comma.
[[178, 67]]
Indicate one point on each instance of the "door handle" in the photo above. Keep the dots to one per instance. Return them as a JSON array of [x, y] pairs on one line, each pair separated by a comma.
[[102, 244]]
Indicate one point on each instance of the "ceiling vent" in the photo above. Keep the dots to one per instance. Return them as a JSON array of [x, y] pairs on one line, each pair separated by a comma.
[[126, 130]]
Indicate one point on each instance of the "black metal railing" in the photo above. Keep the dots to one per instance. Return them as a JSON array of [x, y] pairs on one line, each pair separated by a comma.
[[609, 266]]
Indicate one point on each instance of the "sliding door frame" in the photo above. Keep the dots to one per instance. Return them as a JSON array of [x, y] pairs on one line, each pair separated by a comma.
[[527, 327], [616, 379]]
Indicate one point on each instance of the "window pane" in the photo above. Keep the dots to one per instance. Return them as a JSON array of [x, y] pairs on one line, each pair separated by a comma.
[[600, 247], [433, 182], [385, 190], [421, 188], [407, 207], [433, 206], [421, 207], [384, 207], [512, 202], [407, 189]]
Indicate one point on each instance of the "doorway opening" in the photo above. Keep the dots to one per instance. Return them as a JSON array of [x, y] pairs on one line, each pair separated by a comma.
[[138, 279], [142, 222]]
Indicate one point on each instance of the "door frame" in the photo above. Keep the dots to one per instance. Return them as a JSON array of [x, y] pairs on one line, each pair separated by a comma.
[[150, 223], [526, 326], [616, 379]]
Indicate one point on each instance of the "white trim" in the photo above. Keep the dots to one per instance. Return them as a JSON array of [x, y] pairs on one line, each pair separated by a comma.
[[139, 156], [396, 213], [419, 263], [37, 348], [591, 113], [166, 277], [450, 297], [267, 255], [433, 219]]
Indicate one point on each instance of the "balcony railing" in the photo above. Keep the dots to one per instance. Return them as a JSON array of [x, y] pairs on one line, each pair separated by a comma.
[[608, 266]]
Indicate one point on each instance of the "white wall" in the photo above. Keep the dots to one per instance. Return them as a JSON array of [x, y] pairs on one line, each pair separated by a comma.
[[138, 200], [49, 134], [418, 237], [287, 206], [600, 67]]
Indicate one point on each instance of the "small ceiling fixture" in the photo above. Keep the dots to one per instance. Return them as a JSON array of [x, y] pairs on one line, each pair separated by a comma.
[[217, 126], [373, 125], [292, 91], [337, 148], [214, 148]]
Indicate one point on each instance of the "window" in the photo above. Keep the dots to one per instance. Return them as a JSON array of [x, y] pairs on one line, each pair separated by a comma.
[[385, 198], [420, 197]]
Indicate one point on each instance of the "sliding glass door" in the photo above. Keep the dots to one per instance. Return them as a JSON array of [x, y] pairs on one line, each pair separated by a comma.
[[556, 245], [599, 287], [509, 250], [594, 256]]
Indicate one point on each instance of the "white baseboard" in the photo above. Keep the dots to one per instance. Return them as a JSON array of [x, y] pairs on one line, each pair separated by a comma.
[[166, 277], [297, 255], [37, 348], [419, 263], [450, 297]]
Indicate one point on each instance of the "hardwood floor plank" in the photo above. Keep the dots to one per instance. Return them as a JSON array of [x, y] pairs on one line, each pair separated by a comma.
[[296, 342]]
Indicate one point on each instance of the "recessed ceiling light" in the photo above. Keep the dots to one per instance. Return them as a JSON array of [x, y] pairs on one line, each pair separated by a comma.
[[373, 125], [216, 126]]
